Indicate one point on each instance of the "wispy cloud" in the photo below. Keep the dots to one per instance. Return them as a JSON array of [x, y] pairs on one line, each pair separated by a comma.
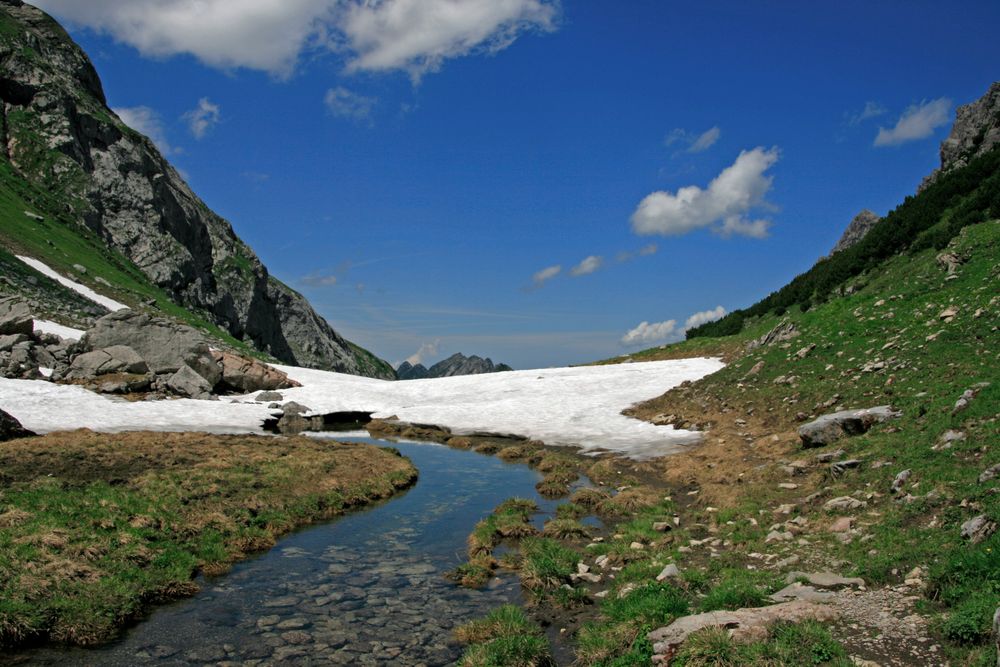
[[587, 266], [545, 275], [203, 118], [644, 251], [724, 206], [692, 142], [146, 121], [319, 279], [426, 351], [918, 122], [871, 110], [344, 103]]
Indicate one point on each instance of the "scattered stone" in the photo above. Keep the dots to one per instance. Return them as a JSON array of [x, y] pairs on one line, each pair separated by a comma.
[[950, 261], [844, 503], [843, 524], [804, 352], [757, 368], [990, 473], [901, 479], [948, 438], [11, 428], [743, 625], [269, 397], [830, 456], [967, 397], [789, 486], [996, 633], [948, 314], [798, 591], [778, 536], [669, 572], [978, 528], [825, 579], [840, 467], [662, 526], [830, 428]]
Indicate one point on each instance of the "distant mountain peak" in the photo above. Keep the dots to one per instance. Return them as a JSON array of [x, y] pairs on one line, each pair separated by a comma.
[[456, 364], [976, 131], [860, 225]]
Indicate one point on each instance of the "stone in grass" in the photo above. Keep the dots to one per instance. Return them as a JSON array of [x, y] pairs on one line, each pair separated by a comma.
[[825, 579], [832, 427], [669, 572], [900, 480], [844, 503], [743, 625], [990, 473], [978, 528], [996, 633]]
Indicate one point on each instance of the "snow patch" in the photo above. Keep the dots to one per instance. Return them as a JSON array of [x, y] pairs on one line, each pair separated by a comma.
[[56, 329], [82, 290], [579, 407]]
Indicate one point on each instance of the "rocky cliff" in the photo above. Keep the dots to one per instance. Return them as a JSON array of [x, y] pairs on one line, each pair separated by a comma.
[[58, 134], [976, 132], [456, 364], [856, 231]]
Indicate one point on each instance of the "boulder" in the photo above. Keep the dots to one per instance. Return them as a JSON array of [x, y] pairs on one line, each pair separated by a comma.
[[978, 528], [743, 625], [268, 397], [188, 382], [15, 318], [10, 428], [8, 342], [833, 427], [247, 375], [166, 346], [106, 361]]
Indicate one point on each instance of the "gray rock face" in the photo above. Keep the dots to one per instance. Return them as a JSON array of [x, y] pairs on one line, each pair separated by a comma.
[[187, 382], [114, 359], [859, 227], [456, 364], [830, 428], [59, 134], [10, 428], [976, 131], [15, 318]]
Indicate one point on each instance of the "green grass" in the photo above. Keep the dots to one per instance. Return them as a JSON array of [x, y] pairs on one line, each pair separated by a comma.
[[804, 644], [504, 638], [547, 564]]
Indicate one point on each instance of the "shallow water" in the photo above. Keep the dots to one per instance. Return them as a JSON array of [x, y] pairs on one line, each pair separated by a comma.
[[366, 589]]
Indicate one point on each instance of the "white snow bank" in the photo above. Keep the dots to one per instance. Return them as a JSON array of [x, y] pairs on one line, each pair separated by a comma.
[[68, 333], [82, 290], [579, 407]]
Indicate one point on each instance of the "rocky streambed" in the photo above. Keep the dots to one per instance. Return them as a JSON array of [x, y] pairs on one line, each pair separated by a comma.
[[367, 589]]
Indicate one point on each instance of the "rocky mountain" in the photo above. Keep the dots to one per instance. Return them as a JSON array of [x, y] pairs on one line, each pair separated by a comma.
[[80, 171], [860, 225], [976, 132], [456, 364]]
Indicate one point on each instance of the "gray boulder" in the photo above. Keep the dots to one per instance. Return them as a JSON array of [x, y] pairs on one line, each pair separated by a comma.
[[10, 428], [830, 428], [188, 382], [978, 528], [165, 346], [114, 359], [7, 343], [15, 318]]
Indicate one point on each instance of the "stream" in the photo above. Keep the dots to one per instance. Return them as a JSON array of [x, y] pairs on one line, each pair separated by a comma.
[[365, 589]]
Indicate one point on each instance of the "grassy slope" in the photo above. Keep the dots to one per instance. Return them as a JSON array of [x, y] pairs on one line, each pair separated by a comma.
[[93, 527]]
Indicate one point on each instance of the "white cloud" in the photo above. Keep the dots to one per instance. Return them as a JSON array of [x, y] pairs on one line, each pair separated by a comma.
[[647, 250], [703, 317], [419, 35], [344, 103], [416, 36], [871, 110], [695, 143], [647, 333], [723, 207], [427, 350], [587, 266], [203, 118], [705, 141], [546, 274], [917, 122], [146, 121], [319, 279]]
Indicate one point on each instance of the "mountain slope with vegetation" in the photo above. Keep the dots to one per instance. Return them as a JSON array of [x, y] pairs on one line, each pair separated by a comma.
[[96, 200]]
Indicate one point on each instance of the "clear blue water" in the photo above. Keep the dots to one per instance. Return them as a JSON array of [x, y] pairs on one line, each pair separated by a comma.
[[366, 589]]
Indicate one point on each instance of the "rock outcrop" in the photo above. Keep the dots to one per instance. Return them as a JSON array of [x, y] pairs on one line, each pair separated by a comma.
[[859, 227], [830, 428], [976, 131], [10, 428], [60, 136], [456, 364]]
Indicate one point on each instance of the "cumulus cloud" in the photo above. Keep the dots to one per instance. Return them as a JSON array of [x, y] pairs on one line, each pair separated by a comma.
[[203, 118], [419, 35], [647, 333], [871, 110], [693, 143], [587, 266], [724, 206], [427, 350], [917, 122], [146, 121], [344, 103], [704, 317], [546, 274], [416, 36]]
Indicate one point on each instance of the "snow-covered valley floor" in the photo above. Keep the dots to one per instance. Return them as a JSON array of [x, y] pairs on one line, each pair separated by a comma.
[[579, 406]]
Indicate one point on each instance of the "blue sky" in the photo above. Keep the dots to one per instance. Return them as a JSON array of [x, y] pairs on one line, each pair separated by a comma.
[[419, 168]]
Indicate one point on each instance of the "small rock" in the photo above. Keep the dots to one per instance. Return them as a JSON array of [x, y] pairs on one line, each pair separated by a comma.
[[777, 536], [662, 526], [830, 456], [989, 473], [901, 479], [978, 528], [843, 524], [844, 503], [669, 572], [948, 314], [788, 486], [832, 427], [840, 467]]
